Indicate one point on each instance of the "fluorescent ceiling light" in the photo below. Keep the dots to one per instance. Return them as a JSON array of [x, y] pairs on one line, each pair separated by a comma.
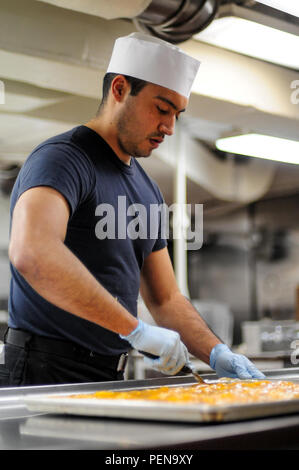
[[253, 39], [288, 6], [261, 146]]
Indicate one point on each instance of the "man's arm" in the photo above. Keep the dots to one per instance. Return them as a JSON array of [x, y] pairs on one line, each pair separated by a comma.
[[38, 252], [170, 309]]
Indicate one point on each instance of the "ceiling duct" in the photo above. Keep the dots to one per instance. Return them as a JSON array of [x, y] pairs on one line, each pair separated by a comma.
[[262, 14], [177, 21]]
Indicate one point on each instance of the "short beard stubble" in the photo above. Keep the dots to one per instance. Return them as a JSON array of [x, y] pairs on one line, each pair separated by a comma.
[[126, 122]]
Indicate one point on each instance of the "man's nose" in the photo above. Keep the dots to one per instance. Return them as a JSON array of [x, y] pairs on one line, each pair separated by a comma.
[[167, 127]]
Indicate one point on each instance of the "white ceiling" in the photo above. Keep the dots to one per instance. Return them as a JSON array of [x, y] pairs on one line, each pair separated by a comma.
[[52, 61]]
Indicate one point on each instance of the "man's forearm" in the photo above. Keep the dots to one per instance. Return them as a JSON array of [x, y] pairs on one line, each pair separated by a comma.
[[178, 314], [60, 277]]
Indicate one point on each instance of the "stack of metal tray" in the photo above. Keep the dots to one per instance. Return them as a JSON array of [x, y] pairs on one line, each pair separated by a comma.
[[60, 403]]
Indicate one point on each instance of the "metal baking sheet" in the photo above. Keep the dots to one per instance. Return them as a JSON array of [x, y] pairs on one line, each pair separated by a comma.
[[158, 411]]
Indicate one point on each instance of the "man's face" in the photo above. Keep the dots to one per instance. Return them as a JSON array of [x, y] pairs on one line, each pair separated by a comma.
[[145, 119]]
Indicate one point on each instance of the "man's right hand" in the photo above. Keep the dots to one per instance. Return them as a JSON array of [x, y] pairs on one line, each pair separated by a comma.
[[165, 344]]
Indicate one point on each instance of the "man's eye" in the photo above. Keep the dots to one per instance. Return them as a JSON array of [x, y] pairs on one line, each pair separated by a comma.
[[162, 111]]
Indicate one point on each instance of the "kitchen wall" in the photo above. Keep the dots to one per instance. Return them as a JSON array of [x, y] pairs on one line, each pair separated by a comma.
[[4, 266], [250, 261], [4, 263], [278, 257]]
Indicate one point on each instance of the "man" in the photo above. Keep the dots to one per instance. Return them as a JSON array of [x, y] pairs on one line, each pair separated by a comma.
[[73, 299]]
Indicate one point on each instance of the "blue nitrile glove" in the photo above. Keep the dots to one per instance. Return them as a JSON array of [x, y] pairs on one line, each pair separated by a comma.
[[166, 344], [228, 364]]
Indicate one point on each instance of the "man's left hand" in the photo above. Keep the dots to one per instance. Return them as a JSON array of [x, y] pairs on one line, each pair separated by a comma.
[[228, 364]]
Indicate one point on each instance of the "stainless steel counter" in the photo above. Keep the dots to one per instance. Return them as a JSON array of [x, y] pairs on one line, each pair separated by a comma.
[[21, 429]]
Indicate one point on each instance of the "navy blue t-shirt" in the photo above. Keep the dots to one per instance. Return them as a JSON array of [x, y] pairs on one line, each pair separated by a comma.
[[95, 182]]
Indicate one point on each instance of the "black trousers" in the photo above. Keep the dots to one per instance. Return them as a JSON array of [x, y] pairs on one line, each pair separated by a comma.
[[58, 363]]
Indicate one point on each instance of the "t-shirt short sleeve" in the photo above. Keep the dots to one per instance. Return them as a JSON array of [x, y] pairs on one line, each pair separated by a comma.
[[62, 167]]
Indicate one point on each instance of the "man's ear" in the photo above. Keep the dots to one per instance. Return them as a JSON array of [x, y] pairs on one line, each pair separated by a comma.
[[120, 88]]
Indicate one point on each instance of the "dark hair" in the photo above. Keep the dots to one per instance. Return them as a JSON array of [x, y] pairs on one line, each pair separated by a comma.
[[136, 86]]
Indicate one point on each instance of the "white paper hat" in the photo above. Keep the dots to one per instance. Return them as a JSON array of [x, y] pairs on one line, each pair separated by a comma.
[[154, 60]]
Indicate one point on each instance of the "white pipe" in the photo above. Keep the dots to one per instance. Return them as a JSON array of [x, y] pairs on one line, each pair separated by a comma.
[[180, 221]]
